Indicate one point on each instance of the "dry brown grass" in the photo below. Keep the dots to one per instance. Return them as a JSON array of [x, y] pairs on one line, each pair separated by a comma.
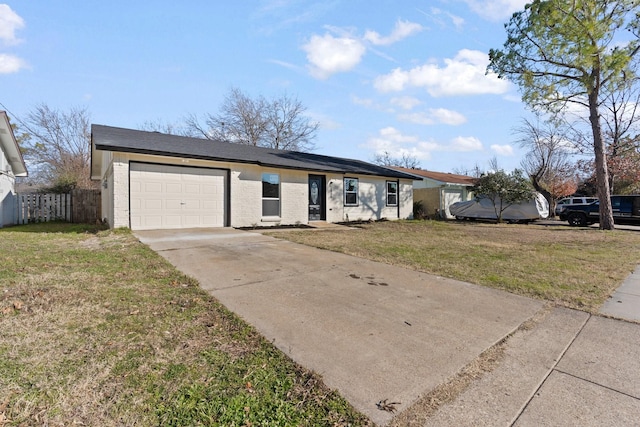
[[96, 329], [577, 268]]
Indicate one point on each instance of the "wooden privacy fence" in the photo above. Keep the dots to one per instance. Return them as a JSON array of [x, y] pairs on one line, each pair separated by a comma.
[[86, 206], [79, 206]]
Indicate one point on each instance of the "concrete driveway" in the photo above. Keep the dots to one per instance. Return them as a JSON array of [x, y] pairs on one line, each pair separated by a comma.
[[375, 331]]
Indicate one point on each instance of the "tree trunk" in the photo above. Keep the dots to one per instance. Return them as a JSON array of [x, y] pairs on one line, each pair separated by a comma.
[[602, 173]]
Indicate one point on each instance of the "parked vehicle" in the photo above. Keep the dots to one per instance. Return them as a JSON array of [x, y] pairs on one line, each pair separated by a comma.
[[626, 210], [482, 208], [562, 204]]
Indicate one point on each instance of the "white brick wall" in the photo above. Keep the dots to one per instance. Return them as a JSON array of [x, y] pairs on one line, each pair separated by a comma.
[[372, 202], [120, 189], [246, 193]]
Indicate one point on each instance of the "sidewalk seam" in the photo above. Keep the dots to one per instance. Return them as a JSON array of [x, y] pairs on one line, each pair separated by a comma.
[[597, 384], [553, 368]]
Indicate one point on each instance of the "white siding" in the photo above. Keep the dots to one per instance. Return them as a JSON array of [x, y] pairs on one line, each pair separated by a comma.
[[7, 193], [372, 202]]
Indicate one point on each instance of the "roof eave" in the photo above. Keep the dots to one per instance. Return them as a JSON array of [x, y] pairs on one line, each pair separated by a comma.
[[97, 150], [11, 148]]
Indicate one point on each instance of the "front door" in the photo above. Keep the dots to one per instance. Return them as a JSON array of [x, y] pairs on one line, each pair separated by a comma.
[[317, 198]]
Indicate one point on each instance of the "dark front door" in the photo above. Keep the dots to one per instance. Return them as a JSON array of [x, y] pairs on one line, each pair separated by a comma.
[[317, 198]]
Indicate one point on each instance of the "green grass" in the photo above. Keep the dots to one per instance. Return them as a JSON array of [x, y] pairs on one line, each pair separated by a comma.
[[578, 268], [97, 329]]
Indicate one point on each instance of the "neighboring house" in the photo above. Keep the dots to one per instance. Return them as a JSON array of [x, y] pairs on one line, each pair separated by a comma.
[[151, 180], [437, 190], [11, 166]]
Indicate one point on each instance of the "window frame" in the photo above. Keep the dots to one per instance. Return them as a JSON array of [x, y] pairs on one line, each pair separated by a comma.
[[387, 193], [351, 192], [266, 179]]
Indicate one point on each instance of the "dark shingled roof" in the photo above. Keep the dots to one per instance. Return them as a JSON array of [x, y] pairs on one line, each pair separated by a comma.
[[109, 138]]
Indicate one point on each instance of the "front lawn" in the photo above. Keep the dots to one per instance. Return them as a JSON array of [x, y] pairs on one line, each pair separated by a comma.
[[574, 267], [98, 330]]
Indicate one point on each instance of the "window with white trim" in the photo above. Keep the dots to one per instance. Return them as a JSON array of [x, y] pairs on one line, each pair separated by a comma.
[[351, 191], [392, 193], [270, 194]]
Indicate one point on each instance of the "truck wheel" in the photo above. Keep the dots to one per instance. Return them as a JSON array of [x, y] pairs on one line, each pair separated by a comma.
[[577, 219]]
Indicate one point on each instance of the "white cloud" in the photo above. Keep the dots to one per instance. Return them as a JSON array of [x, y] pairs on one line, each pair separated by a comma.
[[10, 22], [406, 102], [338, 50], [328, 55], [434, 116], [403, 29], [457, 21], [394, 142], [496, 10], [11, 64], [465, 143], [503, 150], [364, 102], [325, 122], [465, 74]]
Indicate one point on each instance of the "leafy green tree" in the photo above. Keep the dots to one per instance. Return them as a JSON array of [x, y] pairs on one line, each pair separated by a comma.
[[565, 53], [503, 189]]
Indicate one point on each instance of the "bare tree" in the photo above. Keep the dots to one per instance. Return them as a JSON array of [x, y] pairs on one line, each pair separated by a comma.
[[404, 161], [547, 160], [162, 126], [287, 127], [280, 123], [621, 119], [59, 146], [475, 172]]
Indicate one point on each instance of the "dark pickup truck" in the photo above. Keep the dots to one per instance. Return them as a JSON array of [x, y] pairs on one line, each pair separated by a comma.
[[626, 210]]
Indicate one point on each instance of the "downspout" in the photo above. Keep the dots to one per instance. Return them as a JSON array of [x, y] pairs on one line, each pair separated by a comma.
[[398, 196]]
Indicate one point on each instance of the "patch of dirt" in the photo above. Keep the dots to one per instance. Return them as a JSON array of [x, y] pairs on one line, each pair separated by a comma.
[[421, 410]]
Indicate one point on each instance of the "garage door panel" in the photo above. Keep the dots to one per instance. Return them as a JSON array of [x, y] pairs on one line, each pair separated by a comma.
[[172, 221], [193, 189], [211, 190], [166, 196], [211, 205], [153, 204], [451, 197], [173, 188], [152, 187]]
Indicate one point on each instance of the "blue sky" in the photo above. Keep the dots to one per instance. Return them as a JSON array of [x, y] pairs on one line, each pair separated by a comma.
[[397, 76]]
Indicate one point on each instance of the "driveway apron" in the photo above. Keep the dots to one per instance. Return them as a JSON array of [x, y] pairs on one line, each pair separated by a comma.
[[373, 331]]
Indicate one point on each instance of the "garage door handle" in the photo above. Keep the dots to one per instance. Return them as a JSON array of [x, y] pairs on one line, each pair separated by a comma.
[[183, 203]]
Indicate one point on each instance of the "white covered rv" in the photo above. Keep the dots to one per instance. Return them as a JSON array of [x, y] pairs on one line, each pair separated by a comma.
[[483, 208]]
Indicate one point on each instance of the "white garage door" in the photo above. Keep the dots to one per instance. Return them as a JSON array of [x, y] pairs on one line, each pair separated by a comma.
[[164, 196], [451, 197]]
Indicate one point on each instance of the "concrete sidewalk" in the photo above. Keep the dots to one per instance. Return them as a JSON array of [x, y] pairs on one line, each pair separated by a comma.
[[378, 332], [625, 302]]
